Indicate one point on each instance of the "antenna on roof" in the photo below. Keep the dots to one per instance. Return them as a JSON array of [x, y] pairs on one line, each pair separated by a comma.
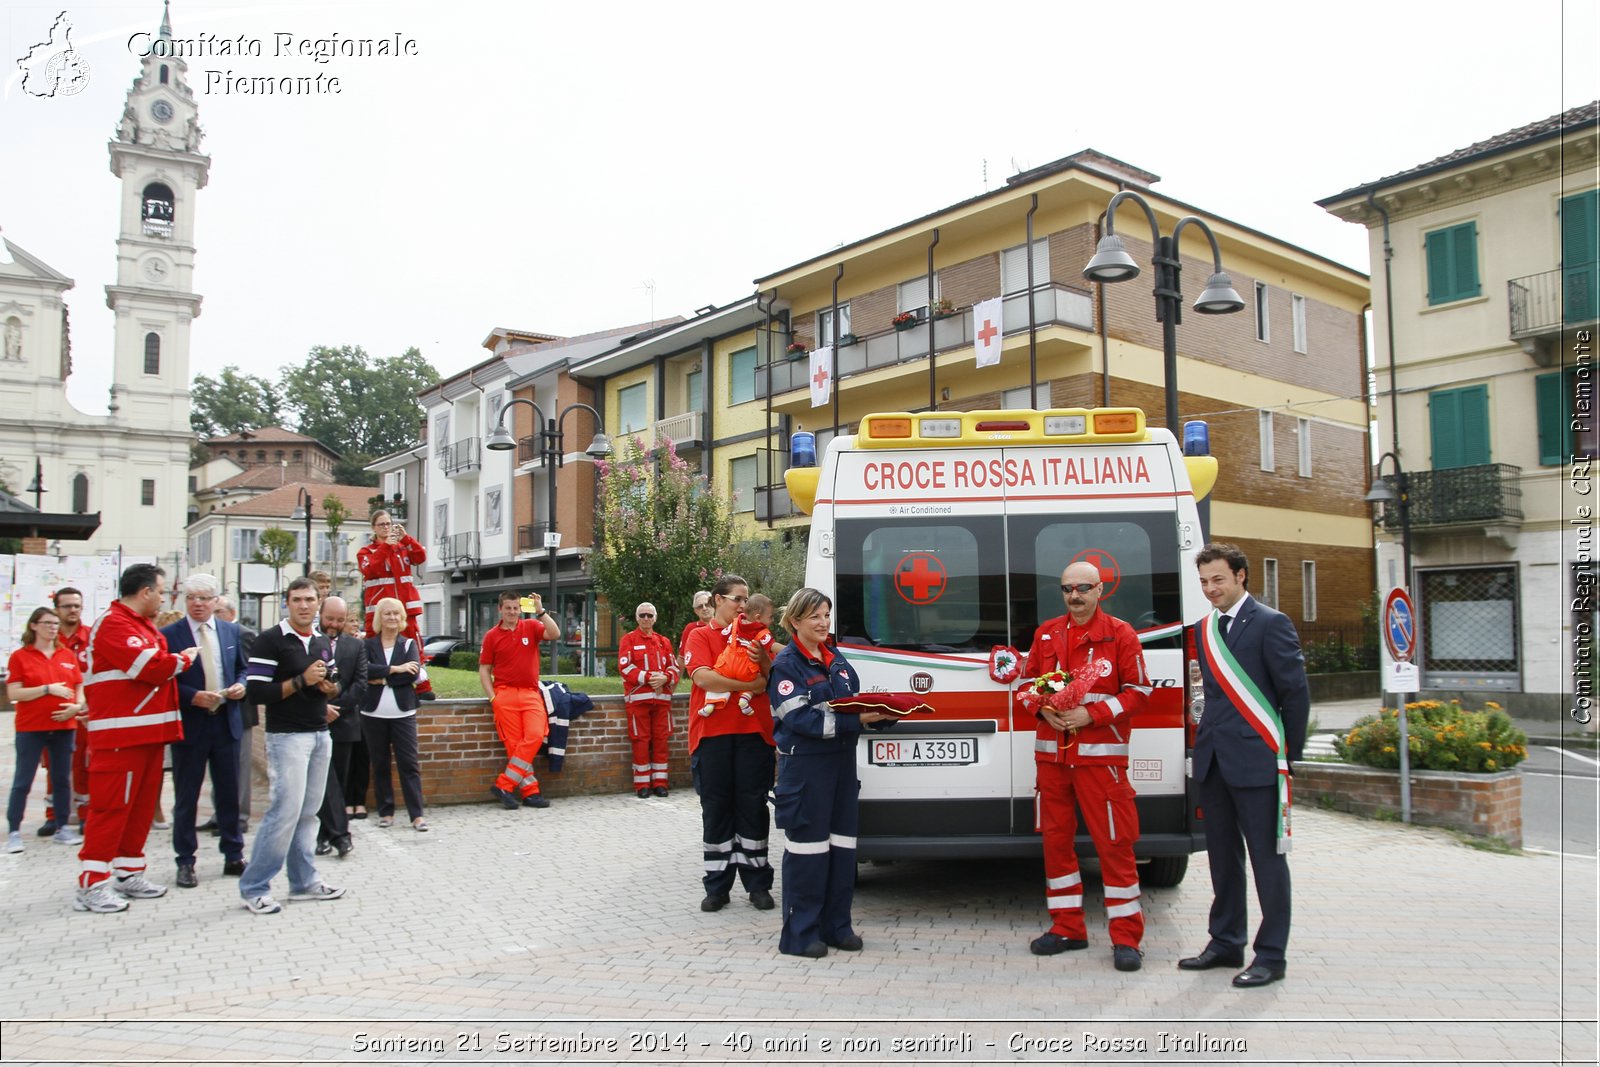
[[650, 285]]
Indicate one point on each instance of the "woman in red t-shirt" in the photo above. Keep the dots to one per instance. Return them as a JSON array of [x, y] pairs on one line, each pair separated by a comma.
[[43, 681]]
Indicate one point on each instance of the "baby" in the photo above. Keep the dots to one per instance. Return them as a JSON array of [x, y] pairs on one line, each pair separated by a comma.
[[747, 631]]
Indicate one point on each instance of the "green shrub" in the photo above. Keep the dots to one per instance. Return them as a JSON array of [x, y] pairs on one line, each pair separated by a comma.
[[464, 659], [1442, 737]]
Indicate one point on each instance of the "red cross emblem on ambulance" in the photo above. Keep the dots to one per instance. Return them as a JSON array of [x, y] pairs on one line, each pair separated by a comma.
[[920, 578]]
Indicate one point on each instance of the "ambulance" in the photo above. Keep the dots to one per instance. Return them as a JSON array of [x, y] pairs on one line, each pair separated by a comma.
[[941, 538]]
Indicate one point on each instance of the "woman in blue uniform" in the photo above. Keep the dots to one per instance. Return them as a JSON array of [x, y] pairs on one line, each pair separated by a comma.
[[817, 786]]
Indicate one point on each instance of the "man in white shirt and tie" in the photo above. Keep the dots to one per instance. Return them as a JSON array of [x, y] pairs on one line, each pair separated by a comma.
[[209, 693]]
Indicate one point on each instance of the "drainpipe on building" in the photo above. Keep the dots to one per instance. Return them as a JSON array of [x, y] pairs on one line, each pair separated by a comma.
[[933, 384], [837, 333], [767, 320], [1033, 353]]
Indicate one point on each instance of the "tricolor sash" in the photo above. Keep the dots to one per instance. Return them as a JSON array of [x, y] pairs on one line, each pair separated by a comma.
[[1254, 706]]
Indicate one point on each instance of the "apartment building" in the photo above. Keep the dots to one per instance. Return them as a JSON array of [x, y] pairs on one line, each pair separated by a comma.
[[1484, 311]]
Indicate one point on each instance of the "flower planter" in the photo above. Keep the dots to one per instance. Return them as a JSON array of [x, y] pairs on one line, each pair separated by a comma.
[[848, 339], [1486, 805], [797, 354], [902, 327]]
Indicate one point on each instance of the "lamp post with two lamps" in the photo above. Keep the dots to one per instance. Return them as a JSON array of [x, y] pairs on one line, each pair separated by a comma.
[[1399, 495], [1112, 263], [551, 455], [302, 510]]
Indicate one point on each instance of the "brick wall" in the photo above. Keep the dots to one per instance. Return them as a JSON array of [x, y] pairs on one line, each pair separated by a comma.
[[1486, 805], [461, 753]]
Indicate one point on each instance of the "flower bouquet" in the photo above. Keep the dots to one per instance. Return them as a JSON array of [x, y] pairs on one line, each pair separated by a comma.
[[1059, 689]]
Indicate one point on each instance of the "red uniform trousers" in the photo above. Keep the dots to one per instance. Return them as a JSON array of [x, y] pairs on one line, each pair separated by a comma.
[[124, 788], [80, 778], [1112, 820], [649, 728], [521, 721]]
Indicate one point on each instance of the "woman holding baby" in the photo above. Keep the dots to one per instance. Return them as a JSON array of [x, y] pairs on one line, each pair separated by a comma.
[[730, 751]]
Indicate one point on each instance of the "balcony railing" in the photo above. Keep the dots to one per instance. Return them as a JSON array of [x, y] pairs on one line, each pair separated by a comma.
[[1461, 495], [772, 498], [530, 537], [1053, 305], [682, 430], [1544, 303], [528, 449], [462, 457], [461, 546]]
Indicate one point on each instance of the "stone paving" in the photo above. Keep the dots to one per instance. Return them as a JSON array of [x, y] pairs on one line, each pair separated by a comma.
[[545, 935]]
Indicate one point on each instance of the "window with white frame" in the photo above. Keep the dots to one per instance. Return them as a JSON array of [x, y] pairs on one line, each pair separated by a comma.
[[394, 484], [497, 403], [631, 407], [742, 474], [441, 433], [441, 521], [147, 492], [1014, 267], [1269, 582], [1018, 398], [825, 335], [1269, 461], [242, 544], [1297, 306], [1308, 590], [324, 544], [1303, 431], [1263, 324], [200, 548], [492, 509], [912, 295]]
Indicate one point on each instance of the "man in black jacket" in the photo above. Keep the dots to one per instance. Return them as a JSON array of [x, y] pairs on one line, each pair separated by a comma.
[[349, 673]]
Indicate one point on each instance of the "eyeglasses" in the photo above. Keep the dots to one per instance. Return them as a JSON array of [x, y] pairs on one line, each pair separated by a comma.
[[739, 600], [1080, 587], [646, 615], [198, 598], [48, 622]]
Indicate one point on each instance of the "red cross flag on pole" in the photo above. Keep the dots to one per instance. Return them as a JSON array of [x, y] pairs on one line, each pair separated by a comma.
[[988, 331], [821, 375]]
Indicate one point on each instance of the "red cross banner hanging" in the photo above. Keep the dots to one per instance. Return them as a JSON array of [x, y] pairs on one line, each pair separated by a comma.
[[988, 330], [821, 375]]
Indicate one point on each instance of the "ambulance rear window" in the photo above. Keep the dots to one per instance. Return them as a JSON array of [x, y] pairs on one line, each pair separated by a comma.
[[905, 583]]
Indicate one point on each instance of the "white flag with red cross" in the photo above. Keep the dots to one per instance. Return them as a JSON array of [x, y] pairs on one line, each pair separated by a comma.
[[988, 330], [821, 375]]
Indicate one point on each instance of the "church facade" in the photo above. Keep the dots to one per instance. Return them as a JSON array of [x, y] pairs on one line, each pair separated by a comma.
[[131, 464]]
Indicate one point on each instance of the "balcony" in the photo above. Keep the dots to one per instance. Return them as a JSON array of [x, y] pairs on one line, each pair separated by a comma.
[[529, 454], [530, 537], [772, 496], [1543, 305], [682, 430], [1487, 497], [1053, 305], [463, 457], [462, 547]]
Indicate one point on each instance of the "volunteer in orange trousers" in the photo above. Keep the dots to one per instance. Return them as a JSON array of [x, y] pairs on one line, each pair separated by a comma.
[[508, 670]]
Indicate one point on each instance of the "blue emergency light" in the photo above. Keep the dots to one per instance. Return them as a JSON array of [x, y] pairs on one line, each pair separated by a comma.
[[1196, 438], [802, 449]]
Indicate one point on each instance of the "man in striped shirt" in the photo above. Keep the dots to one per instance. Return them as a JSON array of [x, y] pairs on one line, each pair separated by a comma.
[[132, 691]]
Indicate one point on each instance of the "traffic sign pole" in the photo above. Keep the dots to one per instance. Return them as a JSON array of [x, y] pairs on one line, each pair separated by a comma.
[[1399, 625]]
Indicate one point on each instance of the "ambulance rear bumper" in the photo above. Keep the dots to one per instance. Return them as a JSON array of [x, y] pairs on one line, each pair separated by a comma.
[[976, 829]]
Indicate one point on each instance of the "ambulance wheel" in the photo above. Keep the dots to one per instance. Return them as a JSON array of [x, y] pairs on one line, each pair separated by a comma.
[[1164, 871]]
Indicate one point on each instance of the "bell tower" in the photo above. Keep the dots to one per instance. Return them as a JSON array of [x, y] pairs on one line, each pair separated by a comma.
[[156, 153]]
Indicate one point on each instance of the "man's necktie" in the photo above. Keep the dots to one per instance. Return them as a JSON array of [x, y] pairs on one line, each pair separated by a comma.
[[209, 661], [1222, 626]]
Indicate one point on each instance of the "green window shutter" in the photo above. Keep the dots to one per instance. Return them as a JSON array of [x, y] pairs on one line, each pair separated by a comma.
[[1452, 256], [1552, 417], [1459, 426], [1580, 249], [742, 376]]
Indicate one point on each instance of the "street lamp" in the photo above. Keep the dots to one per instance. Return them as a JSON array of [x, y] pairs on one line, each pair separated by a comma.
[[1381, 493], [302, 510], [36, 487], [1111, 263], [551, 455]]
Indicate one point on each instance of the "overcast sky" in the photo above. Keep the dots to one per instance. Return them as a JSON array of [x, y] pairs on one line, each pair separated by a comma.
[[544, 165]]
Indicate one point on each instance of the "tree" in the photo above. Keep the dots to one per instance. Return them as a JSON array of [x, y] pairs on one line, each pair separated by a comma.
[[335, 514], [774, 565], [358, 406], [275, 547], [232, 402], [662, 534]]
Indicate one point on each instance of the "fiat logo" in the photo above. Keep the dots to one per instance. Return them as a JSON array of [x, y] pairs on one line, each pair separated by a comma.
[[921, 682]]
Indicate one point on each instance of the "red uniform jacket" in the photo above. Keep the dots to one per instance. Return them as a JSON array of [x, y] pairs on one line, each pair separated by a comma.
[[387, 570], [132, 682], [1121, 690], [639, 656]]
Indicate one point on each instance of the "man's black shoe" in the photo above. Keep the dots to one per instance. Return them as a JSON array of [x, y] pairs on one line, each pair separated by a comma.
[[644, 793], [47, 829], [1050, 943], [850, 943], [506, 800], [343, 846], [186, 877], [1126, 957], [1259, 974], [323, 848], [816, 950], [762, 900], [209, 825], [714, 902], [1212, 957], [233, 868], [535, 800], [661, 790]]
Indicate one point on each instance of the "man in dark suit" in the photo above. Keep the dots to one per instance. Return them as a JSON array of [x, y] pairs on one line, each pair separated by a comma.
[[209, 693], [1251, 732], [251, 715], [344, 728]]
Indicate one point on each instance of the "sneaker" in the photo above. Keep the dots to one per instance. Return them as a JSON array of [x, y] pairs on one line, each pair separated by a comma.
[[161, 824], [1049, 943], [323, 848], [137, 887], [262, 905], [98, 897], [319, 891], [14, 841], [68, 836]]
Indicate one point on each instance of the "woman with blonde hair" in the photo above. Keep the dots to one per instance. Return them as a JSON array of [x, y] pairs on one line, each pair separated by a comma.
[[389, 720]]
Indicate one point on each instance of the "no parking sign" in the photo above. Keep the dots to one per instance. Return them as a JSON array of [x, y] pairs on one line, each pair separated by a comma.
[[1400, 635]]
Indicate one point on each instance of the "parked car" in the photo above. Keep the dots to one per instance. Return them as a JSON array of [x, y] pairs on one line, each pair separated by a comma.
[[436, 650]]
